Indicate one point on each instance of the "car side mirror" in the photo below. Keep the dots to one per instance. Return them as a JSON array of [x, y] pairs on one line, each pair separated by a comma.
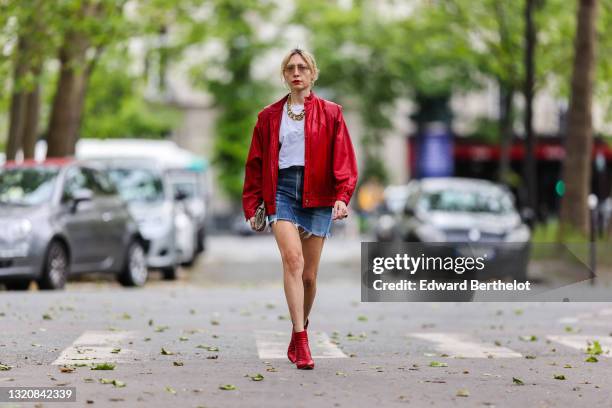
[[180, 196], [79, 196]]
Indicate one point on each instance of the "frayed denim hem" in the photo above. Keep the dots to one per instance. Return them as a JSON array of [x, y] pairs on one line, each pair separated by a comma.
[[272, 218]]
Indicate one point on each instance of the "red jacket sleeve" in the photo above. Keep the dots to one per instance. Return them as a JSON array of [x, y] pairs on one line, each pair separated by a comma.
[[345, 163], [252, 191]]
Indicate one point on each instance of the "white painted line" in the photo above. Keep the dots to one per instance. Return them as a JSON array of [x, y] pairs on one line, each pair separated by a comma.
[[97, 347], [580, 342], [601, 317], [273, 344], [461, 346]]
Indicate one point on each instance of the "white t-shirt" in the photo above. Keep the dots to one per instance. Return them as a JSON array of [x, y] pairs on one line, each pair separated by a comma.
[[291, 138]]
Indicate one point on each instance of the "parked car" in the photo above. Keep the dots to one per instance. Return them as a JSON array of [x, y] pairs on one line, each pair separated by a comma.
[[163, 220], [189, 187], [60, 218], [182, 171], [468, 217]]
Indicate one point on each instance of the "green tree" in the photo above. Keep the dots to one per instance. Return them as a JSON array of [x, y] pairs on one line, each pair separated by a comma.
[[87, 27], [115, 107], [31, 32], [227, 76], [577, 164], [369, 61]]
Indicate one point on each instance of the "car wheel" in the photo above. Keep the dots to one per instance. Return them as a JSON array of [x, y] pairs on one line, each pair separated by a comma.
[[201, 241], [135, 270], [56, 267], [17, 284], [191, 262], [169, 272]]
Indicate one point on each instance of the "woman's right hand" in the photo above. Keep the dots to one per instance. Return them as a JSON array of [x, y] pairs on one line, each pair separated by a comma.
[[252, 221]]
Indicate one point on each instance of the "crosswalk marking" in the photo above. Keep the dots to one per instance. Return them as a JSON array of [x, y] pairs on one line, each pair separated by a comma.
[[580, 342], [273, 344], [460, 346], [97, 347]]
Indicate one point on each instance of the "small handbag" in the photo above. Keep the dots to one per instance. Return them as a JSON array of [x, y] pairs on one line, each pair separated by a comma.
[[260, 217]]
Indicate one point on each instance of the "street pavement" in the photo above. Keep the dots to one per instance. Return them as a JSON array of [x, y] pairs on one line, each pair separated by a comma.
[[225, 321]]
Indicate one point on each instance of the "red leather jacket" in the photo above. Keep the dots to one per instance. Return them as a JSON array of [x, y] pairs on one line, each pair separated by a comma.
[[330, 166]]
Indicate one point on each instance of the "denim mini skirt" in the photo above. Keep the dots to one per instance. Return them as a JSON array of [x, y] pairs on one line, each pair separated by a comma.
[[309, 221]]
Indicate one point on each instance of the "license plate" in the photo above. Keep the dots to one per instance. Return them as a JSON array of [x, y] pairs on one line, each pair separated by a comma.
[[476, 252]]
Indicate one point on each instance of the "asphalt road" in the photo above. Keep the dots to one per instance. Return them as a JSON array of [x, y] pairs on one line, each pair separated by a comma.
[[225, 321]]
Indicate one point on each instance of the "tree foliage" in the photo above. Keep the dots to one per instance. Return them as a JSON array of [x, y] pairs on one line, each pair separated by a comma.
[[227, 76]]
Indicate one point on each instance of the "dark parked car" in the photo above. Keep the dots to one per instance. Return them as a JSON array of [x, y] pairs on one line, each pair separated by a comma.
[[467, 217], [60, 218]]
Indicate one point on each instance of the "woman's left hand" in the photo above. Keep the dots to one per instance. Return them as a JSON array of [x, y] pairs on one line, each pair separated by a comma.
[[340, 211]]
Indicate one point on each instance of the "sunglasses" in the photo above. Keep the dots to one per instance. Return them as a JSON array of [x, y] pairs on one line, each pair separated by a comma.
[[291, 68]]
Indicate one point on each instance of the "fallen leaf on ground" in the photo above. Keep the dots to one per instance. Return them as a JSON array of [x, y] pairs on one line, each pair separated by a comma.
[[594, 348], [103, 366], [528, 338]]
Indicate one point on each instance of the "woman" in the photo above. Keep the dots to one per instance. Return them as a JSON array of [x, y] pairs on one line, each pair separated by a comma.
[[301, 163]]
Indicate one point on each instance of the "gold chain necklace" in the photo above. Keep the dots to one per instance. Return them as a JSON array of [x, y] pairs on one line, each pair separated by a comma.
[[292, 115]]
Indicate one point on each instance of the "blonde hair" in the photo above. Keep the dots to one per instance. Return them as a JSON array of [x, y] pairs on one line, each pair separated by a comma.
[[308, 58]]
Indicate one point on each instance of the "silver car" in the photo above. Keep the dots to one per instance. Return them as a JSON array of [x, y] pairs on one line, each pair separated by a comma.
[[152, 203], [61, 217], [189, 185], [467, 216]]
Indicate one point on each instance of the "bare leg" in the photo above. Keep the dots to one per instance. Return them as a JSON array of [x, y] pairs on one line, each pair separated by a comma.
[[288, 241], [311, 248]]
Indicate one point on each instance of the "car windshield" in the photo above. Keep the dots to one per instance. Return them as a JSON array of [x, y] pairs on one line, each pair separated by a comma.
[[27, 186], [493, 201], [137, 185]]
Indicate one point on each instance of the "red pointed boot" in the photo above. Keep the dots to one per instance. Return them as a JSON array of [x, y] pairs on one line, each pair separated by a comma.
[[302, 351], [291, 349]]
